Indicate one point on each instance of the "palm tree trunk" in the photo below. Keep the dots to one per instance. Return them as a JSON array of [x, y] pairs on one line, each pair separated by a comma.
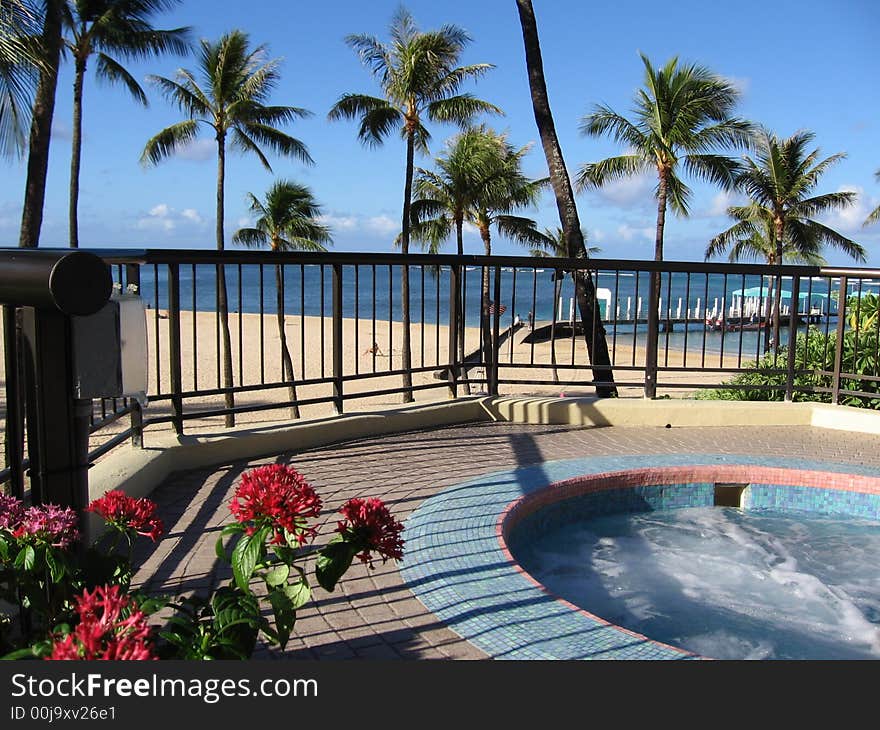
[[557, 290], [222, 301], [459, 239], [662, 194], [777, 297], [76, 151], [406, 357], [485, 318], [768, 311], [286, 361], [654, 290], [41, 128], [565, 204]]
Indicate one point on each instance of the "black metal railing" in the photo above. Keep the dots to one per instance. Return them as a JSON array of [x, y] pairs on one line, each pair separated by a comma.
[[478, 325]]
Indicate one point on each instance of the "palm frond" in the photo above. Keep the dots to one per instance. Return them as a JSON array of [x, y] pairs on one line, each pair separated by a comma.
[[251, 237], [278, 141], [596, 174], [378, 117], [717, 169], [187, 96], [460, 109], [113, 72], [168, 141]]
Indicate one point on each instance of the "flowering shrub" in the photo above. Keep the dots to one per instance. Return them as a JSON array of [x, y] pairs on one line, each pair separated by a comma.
[[368, 525], [111, 626], [277, 497], [82, 608], [127, 514]]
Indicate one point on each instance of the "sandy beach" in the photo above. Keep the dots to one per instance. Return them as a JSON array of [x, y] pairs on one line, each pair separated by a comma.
[[371, 351]]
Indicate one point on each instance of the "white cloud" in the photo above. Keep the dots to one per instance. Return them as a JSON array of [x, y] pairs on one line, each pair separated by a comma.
[[383, 225], [721, 202], [628, 191], [191, 214], [339, 222], [198, 150], [629, 233], [741, 84], [163, 217], [849, 220]]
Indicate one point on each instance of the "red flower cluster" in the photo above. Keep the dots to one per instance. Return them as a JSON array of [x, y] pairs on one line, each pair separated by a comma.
[[371, 527], [128, 513], [48, 524], [278, 496], [104, 631]]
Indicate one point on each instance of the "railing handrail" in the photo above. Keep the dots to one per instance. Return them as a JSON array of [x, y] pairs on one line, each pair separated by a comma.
[[351, 258]]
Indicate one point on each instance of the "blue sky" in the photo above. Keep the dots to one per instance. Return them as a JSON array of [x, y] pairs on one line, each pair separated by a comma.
[[805, 64]]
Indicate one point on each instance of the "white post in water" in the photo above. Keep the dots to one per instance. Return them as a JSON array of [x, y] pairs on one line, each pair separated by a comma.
[[697, 309], [715, 308], [639, 308], [678, 311], [628, 307], [559, 309]]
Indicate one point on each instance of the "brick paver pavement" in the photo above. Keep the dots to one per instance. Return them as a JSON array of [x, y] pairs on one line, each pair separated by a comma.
[[372, 614]]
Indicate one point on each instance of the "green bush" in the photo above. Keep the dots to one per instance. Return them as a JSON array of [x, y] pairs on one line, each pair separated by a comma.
[[814, 356]]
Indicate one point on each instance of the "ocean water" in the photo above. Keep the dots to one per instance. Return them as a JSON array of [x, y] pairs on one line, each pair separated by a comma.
[[722, 582], [369, 292]]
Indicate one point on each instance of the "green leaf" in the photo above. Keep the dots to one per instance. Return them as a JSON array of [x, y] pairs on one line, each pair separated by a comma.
[[332, 562], [26, 558], [219, 547], [245, 557], [285, 615], [57, 567], [298, 593], [277, 575]]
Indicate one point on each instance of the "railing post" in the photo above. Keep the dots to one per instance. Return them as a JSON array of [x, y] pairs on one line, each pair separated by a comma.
[[58, 423], [653, 330], [14, 421], [174, 346], [838, 348], [133, 278], [792, 335], [454, 300], [496, 326], [337, 339]]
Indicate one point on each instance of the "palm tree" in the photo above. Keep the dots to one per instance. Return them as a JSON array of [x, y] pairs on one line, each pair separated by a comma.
[[778, 221], [230, 100], [874, 216], [481, 182], [287, 221], [681, 116], [505, 190], [443, 196], [122, 28], [48, 49], [553, 245], [20, 63], [420, 80], [597, 347]]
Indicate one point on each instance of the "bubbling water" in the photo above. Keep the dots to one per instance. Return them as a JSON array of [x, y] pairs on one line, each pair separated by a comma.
[[721, 582]]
